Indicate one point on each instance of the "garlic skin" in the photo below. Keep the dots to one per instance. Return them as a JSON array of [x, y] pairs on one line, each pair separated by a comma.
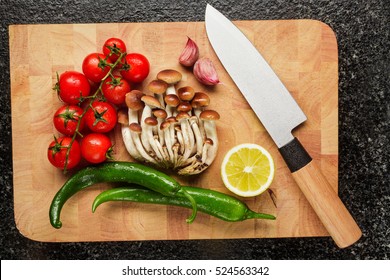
[[205, 72], [190, 54]]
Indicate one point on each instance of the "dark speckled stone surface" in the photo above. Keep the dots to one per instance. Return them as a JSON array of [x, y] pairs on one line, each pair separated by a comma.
[[362, 30]]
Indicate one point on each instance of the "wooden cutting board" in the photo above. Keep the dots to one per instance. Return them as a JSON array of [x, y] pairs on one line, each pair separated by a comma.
[[302, 52]]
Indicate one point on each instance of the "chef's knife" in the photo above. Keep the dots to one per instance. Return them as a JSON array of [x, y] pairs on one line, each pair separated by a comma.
[[279, 114]]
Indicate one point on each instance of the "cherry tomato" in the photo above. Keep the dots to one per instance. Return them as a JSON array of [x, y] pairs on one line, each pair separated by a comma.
[[115, 47], [115, 89], [72, 85], [135, 67], [101, 117], [96, 147], [56, 153], [66, 118], [95, 67]]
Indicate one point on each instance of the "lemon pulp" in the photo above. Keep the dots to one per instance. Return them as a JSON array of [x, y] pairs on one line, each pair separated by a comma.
[[247, 170]]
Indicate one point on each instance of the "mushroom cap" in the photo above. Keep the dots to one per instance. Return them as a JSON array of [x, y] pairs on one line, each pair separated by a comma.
[[157, 86], [186, 93], [164, 125], [209, 141], [133, 100], [200, 99], [172, 100], [182, 116], [171, 119], [152, 121], [135, 127], [169, 76], [184, 107], [123, 117], [160, 113], [151, 101], [209, 115]]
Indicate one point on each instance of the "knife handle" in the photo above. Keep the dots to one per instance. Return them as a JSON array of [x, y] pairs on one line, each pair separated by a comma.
[[321, 196]]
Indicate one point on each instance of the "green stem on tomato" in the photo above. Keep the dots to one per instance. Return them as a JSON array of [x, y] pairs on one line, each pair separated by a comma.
[[92, 98]]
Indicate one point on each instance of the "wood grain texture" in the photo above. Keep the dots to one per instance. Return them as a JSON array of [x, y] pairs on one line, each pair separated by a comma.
[[303, 53], [327, 205]]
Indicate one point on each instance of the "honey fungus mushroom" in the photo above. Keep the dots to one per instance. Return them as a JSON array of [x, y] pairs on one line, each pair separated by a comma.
[[134, 104], [158, 88], [170, 127], [210, 144], [171, 77]]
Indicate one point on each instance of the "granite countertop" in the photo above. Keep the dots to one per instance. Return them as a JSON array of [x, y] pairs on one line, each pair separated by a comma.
[[362, 30]]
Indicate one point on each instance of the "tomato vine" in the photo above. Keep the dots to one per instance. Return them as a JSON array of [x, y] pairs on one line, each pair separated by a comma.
[[91, 98]]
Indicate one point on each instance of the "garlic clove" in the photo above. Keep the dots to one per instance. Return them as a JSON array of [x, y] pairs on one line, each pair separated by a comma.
[[205, 72], [190, 53]]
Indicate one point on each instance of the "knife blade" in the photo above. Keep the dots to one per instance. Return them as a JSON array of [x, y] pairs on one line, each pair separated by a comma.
[[280, 114]]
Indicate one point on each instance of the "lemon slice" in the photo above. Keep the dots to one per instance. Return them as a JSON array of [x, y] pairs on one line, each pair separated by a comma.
[[247, 170]]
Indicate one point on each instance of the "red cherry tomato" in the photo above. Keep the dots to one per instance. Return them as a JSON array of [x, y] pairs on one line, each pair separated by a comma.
[[66, 118], [95, 67], [56, 153], [135, 67], [113, 48], [115, 90], [71, 86], [96, 147], [101, 117]]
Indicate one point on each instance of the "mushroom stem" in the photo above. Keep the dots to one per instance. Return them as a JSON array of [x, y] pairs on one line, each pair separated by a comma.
[[207, 144], [175, 149], [187, 139], [147, 112], [135, 134], [210, 147], [211, 133], [188, 136], [150, 103], [151, 122], [165, 156], [171, 90], [191, 135], [160, 133], [134, 104], [161, 115], [129, 143], [180, 139], [197, 134], [197, 148], [197, 166], [191, 168], [200, 101], [133, 116], [172, 120], [164, 127], [197, 112], [126, 136]]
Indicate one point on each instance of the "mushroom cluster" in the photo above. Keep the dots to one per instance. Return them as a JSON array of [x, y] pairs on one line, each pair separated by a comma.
[[169, 127]]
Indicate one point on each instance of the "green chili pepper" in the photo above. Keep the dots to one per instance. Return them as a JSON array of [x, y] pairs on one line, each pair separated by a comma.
[[127, 172], [220, 205]]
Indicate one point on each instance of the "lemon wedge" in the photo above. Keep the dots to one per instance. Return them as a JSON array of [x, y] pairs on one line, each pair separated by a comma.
[[247, 170]]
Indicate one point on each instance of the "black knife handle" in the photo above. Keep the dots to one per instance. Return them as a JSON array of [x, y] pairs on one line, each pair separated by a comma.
[[295, 155]]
